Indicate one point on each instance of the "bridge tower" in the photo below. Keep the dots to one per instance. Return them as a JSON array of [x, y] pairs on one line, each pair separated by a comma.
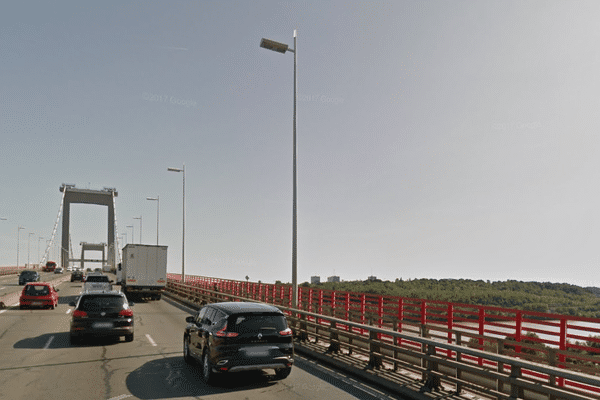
[[104, 197]]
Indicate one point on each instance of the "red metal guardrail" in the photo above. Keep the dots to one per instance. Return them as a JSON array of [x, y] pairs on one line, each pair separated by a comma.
[[567, 341]]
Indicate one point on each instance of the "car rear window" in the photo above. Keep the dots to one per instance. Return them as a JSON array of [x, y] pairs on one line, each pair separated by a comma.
[[36, 290], [97, 278], [242, 323], [28, 273], [98, 303]]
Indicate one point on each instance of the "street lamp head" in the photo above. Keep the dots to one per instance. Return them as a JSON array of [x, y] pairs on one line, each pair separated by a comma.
[[174, 169], [151, 198], [273, 45]]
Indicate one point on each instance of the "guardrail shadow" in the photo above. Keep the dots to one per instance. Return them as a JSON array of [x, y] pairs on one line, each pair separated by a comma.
[[171, 377]]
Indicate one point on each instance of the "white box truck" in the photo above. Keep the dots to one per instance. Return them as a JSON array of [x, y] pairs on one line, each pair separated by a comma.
[[143, 271]]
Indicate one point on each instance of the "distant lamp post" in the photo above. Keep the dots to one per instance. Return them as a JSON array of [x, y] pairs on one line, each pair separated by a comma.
[[183, 229], [39, 238], [282, 48], [19, 229], [28, 242], [140, 218], [132, 231], [157, 199], [2, 219]]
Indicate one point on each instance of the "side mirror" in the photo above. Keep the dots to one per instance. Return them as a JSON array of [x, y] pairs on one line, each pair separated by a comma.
[[189, 319], [56, 290]]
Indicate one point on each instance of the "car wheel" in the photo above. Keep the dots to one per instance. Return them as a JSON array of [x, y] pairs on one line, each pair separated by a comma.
[[187, 357], [129, 338], [21, 306], [75, 339], [282, 373], [207, 373]]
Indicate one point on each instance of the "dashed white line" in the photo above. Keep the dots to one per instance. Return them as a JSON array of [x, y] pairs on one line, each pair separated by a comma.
[[69, 311], [48, 342], [123, 396], [152, 342]]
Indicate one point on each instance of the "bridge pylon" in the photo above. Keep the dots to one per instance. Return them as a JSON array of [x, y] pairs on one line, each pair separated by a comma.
[[104, 197]]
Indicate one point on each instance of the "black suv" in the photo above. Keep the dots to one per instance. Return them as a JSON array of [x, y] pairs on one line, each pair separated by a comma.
[[28, 276], [237, 336], [101, 314], [77, 276]]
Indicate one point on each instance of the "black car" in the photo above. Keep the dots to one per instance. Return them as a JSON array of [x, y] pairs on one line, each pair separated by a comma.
[[28, 276], [77, 276], [237, 336], [101, 314]]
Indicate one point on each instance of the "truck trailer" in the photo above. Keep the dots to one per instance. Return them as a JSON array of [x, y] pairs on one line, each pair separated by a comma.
[[143, 271]]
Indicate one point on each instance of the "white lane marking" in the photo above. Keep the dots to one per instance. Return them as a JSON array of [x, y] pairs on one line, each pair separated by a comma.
[[123, 396], [2, 287], [48, 342], [152, 342], [69, 311]]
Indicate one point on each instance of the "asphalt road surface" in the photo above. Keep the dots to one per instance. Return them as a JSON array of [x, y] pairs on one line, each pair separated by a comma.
[[38, 362]]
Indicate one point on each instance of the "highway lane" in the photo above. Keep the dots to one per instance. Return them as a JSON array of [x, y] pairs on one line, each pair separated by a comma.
[[38, 362]]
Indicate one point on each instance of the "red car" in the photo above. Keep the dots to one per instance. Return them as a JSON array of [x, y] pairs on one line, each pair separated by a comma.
[[38, 294]]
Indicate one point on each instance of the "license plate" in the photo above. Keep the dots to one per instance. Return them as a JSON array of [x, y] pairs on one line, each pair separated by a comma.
[[36, 303], [257, 351], [102, 325]]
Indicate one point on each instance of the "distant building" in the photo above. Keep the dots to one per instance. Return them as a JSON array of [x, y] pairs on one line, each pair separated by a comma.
[[372, 278], [315, 279], [333, 278]]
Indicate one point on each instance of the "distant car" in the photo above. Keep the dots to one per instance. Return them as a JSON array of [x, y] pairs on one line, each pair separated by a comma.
[[101, 314], [97, 282], [39, 294], [97, 269], [77, 276], [58, 270], [28, 276], [49, 267], [237, 336]]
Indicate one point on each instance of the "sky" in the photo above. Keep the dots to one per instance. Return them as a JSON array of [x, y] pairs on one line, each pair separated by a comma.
[[438, 139]]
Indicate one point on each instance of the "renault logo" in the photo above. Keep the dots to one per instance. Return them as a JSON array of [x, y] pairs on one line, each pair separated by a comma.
[[259, 335], [103, 313]]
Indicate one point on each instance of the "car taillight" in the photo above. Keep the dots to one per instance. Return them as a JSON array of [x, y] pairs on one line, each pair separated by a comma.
[[126, 313], [223, 333], [286, 332], [79, 314]]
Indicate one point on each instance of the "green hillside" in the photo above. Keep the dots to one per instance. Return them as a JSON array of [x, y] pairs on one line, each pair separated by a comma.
[[559, 298]]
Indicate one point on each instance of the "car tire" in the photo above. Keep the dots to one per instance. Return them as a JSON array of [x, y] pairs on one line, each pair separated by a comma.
[[282, 373], [129, 338], [21, 306], [74, 339], [187, 357], [207, 374]]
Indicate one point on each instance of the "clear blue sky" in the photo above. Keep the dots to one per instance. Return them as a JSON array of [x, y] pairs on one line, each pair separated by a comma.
[[435, 139]]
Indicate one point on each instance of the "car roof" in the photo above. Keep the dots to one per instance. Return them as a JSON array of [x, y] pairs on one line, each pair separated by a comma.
[[235, 307], [38, 284], [103, 293]]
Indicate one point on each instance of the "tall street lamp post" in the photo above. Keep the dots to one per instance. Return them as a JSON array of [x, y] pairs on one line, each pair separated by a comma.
[[157, 199], [140, 218], [19, 229], [132, 237], [282, 48], [2, 219], [28, 242], [38, 256], [183, 229]]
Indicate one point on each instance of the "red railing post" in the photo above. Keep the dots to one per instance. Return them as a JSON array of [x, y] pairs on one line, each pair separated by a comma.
[[481, 332], [562, 346], [363, 305], [347, 308], [400, 318], [518, 326], [450, 325], [380, 315]]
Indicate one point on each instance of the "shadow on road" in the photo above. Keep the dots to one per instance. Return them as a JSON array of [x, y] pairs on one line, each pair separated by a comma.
[[171, 377]]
